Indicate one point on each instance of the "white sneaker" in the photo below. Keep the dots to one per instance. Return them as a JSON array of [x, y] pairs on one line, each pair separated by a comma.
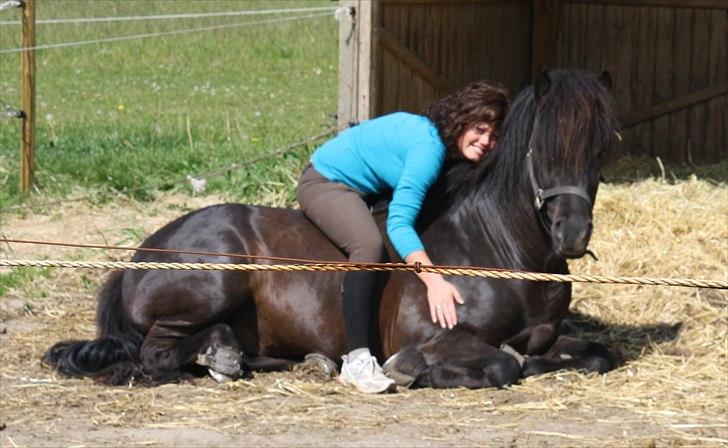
[[364, 373]]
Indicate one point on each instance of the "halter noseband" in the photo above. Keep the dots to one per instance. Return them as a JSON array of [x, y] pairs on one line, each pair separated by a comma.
[[542, 195]]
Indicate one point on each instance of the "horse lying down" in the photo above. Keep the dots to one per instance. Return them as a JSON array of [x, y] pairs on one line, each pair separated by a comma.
[[527, 207]]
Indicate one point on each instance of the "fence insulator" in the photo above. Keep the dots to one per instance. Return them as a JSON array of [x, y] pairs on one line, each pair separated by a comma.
[[11, 4], [10, 113]]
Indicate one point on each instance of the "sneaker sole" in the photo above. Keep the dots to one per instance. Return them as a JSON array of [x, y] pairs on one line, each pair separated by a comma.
[[390, 389]]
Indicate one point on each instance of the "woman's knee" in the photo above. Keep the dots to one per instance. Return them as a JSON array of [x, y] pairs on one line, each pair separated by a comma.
[[368, 249]]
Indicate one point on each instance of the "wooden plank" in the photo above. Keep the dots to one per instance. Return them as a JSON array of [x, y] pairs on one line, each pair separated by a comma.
[[595, 38], [717, 135], [709, 4], [521, 69], [664, 67], [544, 50], [368, 19], [627, 60], [27, 62], [502, 43], [565, 40], [697, 114], [389, 42], [456, 14], [675, 104], [348, 49], [681, 49], [699, 64], [577, 44], [645, 71]]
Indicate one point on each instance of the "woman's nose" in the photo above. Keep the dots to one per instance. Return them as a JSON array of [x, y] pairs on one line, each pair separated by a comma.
[[485, 139]]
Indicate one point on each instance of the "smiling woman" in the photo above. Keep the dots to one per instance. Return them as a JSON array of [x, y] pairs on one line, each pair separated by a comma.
[[477, 141]]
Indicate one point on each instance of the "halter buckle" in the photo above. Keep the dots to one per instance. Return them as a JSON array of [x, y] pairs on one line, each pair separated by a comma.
[[538, 200]]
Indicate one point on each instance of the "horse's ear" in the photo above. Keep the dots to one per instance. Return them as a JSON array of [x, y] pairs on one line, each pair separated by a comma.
[[606, 79], [542, 85]]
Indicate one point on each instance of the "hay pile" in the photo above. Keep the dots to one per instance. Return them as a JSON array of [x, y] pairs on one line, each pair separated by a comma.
[[671, 389]]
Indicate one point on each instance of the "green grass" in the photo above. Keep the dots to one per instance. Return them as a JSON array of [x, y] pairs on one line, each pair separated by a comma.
[[125, 116], [18, 277]]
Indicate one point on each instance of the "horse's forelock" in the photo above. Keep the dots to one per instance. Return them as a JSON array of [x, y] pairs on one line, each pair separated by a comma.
[[577, 106]]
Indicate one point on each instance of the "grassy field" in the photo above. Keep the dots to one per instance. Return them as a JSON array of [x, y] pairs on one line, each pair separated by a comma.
[[138, 116]]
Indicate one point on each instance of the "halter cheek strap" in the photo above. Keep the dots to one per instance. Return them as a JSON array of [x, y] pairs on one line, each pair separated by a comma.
[[541, 195]]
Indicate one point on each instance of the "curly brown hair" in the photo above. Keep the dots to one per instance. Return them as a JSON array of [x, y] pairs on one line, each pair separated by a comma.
[[455, 113]]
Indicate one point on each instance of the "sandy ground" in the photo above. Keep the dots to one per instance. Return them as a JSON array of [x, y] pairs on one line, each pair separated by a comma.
[[669, 392]]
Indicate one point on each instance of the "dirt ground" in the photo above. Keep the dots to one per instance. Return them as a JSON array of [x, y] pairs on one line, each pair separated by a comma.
[[670, 391]]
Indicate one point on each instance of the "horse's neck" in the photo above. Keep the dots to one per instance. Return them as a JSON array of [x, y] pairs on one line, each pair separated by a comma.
[[504, 222]]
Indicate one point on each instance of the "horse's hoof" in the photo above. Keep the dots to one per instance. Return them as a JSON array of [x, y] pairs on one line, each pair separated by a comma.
[[223, 360], [322, 363], [219, 377], [402, 379]]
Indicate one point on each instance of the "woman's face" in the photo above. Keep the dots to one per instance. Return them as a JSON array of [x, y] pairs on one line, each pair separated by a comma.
[[477, 140]]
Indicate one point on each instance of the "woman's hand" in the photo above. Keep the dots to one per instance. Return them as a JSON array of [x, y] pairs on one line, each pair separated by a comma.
[[441, 294]]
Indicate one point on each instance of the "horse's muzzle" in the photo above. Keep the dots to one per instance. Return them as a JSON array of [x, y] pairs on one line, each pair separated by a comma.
[[571, 235]]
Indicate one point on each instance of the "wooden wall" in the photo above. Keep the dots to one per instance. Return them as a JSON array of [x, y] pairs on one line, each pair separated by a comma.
[[429, 48], [670, 67], [667, 57]]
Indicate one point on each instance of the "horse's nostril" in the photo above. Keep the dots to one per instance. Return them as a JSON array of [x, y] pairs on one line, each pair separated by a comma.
[[558, 229]]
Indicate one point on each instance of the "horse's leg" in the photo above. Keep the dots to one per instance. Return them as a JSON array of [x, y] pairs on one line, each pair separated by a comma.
[[573, 354], [456, 358], [267, 364], [169, 347]]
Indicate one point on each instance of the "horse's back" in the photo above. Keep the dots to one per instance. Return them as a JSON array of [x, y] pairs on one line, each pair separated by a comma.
[[273, 310]]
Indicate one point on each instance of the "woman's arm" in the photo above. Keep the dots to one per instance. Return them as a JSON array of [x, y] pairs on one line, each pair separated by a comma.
[[441, 294]]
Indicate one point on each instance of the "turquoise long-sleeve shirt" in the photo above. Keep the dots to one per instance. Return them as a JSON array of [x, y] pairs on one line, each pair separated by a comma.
[[399, 152]]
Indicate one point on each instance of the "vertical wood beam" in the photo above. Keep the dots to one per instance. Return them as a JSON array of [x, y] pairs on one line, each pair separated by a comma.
[[544, 35], [356, 62], [367, 59], [27, 137], [348, 56]]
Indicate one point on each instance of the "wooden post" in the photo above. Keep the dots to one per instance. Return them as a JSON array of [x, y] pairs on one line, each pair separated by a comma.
[[348, 56], [27, 138], [356, 61], [544, 32]]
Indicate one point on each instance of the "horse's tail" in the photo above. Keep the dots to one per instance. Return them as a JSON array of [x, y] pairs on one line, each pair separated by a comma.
[[113, 358]]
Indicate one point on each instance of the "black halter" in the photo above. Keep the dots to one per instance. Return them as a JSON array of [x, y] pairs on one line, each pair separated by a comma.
[[541, 195]]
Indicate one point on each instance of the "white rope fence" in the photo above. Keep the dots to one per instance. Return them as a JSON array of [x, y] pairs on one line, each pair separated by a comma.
[[163, 33], [249, 12]]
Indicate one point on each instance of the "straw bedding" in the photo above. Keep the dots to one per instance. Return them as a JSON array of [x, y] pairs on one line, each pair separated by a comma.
[[670, 390]]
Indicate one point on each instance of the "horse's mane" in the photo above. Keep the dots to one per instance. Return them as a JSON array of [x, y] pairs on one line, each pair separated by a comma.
[[576, 105]]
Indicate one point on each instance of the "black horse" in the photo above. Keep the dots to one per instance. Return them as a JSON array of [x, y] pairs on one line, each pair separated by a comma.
[[527, 207]]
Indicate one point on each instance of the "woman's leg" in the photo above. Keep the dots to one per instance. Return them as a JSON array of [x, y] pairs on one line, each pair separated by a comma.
[[342, 214]]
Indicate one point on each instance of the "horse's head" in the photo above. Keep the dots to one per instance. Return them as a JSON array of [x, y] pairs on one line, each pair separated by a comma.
[[574, 123]]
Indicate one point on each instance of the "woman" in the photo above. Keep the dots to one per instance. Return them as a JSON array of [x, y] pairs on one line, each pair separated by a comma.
[[401, 153]]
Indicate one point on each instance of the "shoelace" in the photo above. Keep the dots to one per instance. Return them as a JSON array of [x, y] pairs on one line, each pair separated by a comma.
[[367, 364]]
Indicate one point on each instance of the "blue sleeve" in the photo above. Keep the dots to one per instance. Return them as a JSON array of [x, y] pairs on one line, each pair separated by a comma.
[[421, 167]]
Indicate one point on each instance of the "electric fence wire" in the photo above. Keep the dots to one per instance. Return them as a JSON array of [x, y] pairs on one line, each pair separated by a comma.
[[159, 34], [178, 181], [249, 12]]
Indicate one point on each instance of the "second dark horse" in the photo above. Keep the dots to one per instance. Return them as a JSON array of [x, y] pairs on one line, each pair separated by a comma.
[[528, 207]]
